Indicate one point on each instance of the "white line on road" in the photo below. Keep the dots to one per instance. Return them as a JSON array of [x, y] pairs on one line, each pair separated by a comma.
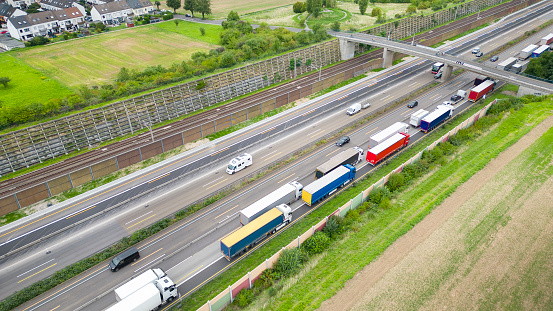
[[212, 181], [193, 275], [36, 267], [144, 266], [269, 154], [138, 217]]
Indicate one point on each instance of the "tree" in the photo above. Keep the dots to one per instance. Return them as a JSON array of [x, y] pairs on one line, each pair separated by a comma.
[[411, 9], [317, 7], [309, 6], [177, 21], [335, 26], [174, 4], [202, 31], [233, 16], [297, 8], [4, 81], [157, 3], [363, 5], [33, 8], [123, 75], [376, 12], [203, 6], [189, 5]]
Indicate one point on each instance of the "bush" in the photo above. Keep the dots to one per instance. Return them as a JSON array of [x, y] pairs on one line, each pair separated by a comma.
[[244, 297], [334, 226], [411, 9], [290, 261], [316, 243], [377, 195], [202, 31], [335, 26], [298, 7], [376, 12], [167, 16], [395, 182]]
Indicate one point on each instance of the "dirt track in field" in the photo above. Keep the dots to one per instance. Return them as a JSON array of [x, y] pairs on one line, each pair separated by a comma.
[[452, 260]]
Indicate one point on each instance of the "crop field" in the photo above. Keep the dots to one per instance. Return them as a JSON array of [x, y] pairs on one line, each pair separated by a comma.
[[221, 8], [282, 16], [358, 21], [97, 59], [28, 85]]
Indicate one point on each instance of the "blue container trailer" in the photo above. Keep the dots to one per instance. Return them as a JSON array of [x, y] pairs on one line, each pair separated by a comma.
[[323, 186], [248, 235], [442, 113]]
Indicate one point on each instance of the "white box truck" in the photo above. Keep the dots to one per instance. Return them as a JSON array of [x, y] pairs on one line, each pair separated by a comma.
[[527, 51], [283, 195], [507, 64], [149, 276], [387, 133], [149, 297], [417, 117]]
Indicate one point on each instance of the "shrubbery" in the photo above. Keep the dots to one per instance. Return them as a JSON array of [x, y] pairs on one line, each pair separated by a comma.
[[316, 243]]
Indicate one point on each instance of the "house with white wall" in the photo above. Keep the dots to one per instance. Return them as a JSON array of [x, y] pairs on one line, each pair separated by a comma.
[[56, 5], [110, 12], [45, 23]]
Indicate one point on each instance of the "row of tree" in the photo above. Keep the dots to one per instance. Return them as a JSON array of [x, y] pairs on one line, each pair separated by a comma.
[[199, 6]]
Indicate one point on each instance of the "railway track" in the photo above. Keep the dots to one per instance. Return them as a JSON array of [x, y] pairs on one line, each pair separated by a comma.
[[26, 181]]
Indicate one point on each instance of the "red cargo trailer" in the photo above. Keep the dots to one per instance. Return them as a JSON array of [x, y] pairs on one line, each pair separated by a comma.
[[387, 147], [482, 89]]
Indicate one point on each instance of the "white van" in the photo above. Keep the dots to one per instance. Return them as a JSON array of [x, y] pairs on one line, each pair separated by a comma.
[[353, 109], [240, 162], [476, 50]]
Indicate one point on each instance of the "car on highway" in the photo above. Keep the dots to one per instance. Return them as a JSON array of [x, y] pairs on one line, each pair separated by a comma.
[[342, 141], [494, 59], [412, 104], [447, 103], [438, 75], [456, 98], [476, 50], [479, 54]]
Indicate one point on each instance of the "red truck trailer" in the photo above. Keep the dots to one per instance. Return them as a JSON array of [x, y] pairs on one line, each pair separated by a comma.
[[482, 89], [387, 147]]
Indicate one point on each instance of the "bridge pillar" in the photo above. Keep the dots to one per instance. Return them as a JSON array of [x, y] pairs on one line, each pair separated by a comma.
[[447, 72], [388, 58], [347, 49]]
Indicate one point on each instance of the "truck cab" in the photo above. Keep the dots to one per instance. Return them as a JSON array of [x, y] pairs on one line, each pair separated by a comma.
[[239, 163], [287, 215], [299, 188], [167, 289]]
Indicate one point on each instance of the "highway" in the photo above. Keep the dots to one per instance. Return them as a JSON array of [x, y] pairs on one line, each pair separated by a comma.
[[297, 128]]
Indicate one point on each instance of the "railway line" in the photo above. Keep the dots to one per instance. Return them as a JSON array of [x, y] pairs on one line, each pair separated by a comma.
[[26, 181]]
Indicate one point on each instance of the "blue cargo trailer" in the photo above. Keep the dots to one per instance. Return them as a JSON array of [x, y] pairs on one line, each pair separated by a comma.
[[248, 235], [442, 113], [323, 186]]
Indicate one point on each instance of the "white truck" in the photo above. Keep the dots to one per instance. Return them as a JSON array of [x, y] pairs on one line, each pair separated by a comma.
[[149, 296], [283, 195], [387, 133], [149, 276], [417, 117], [239, 163], [527, 51], [507, 64]]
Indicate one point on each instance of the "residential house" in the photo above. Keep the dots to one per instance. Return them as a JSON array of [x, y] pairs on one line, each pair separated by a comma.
[[111, 12], [45, 23], [21, 4], [56, 5], [140, 7], [7, 11]]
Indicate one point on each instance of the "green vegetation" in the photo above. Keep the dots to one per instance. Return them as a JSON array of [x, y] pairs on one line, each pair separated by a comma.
[[541, 67]]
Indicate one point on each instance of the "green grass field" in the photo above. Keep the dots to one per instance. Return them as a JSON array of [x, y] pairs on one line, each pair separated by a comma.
[[97, 59], [27, 84]]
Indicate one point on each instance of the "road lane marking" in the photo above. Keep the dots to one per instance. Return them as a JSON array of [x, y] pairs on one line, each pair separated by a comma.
[[220, 151], [30, 276], [268, 154], [148, 263], [406, 111], [374, 129], [286, 178], [134, 263], [140, 222], [36, 267], [189, 274], [82, 211], [331, 152], [160, 177], [318, 132], [272, 156], [212, 181], [55, 308], [138, 217], [226, 211], [437, 95], [216, 184]]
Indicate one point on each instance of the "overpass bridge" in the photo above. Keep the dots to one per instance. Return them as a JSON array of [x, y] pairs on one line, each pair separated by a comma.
[[347, 47]]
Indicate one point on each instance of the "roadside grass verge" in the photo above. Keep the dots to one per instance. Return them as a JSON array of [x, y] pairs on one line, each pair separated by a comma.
[[220, 282], [375, 231]]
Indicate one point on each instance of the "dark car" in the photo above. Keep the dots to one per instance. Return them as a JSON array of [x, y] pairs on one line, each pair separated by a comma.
[[479, 54], [187, 15], [124, 259], [494, 59], [342, 141], [455, 98], [412, 104], [438, 75]]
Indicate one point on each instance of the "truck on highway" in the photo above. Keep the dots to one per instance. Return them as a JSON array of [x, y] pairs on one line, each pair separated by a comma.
[[442, 113], [327, 184], [255, 231], [479, 79], [416, 117], [387, 147], [150, 296], [349, 156], [147, 277], [388, 132], [283, 195], [506, 64], [479, 91], [527, 51], [547, 40], [518, 68], [539, 51]]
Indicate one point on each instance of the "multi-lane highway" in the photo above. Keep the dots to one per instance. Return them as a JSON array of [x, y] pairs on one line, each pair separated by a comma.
[[295, 129]]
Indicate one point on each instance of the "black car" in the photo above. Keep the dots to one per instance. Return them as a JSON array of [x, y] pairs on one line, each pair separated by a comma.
[[479, 54], [187, 15], [455, 98], [494, 59], [342, 141], [412, 104]]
